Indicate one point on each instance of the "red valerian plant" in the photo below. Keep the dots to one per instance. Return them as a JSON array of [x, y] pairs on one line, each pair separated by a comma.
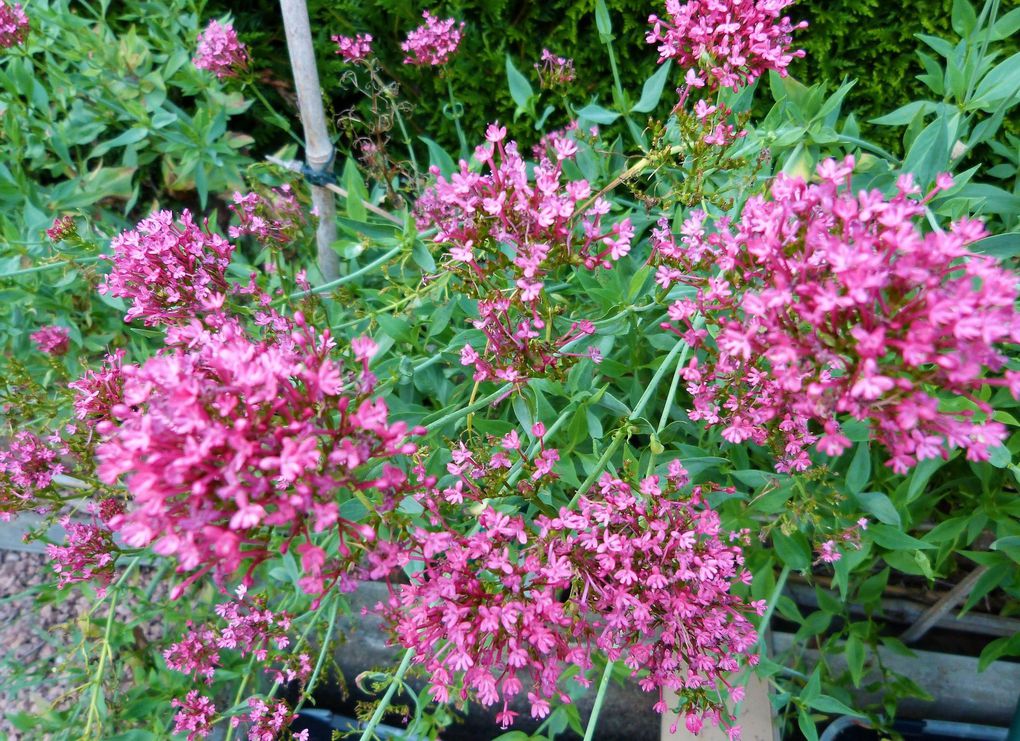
[[434, 42], [477, 216], [223, 436], [830, 303], [27, 468], [169, 269], [354, 48], [506, 608], [725, 43], [13, 24], [52, 340], [219, 51]]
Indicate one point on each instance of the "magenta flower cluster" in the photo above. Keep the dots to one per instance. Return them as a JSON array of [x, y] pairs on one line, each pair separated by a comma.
[[13, 25], [433, 42], [554, 71], [478, 215], [355, 48], [725, 43], [222, 437], [52, 340], [27, 467], [275, 218], [170, 270], [219, 51], [648, 577], [87, 554], [251, 629], [832, 303]]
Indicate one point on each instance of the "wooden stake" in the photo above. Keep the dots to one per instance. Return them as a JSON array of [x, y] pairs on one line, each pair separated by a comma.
[[318, 147]]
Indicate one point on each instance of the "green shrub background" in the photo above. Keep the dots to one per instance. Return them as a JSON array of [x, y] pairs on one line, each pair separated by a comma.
[[871, 41]]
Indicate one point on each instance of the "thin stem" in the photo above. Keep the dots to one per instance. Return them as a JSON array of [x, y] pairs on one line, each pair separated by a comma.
[[345, 279], [50, 265], [771, 607], [456, 120], [589, 731], [97, 680], [278, 120], [310, 686], [457, 414], [390, 691]]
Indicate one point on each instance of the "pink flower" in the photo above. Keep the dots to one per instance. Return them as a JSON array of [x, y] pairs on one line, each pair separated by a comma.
[[195, 715], [832, 303], [13, 24], [432, 43], [729, 42], [62, 227], [274, 218], [219, 51], [649, 582], [88, 554], [554, 71], [167, 268], [354, 48], [52, 340], [291, 431]]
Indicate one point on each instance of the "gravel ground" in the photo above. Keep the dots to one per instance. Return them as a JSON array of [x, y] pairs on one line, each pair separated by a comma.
[[42, 636], [30, 635]]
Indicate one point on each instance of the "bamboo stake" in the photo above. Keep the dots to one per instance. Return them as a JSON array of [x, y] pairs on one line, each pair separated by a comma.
[[318, 147]]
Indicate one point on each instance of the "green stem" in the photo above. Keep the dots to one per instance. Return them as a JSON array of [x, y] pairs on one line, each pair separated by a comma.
[[310, 686], [390, 691], [589, 731], [771, 607], [50, 265], [97, 680], [456, 120], [345, 279], [624, 431], [457, 414], [274, 117]]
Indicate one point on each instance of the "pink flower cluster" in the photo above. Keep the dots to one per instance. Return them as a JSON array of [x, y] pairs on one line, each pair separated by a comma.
[[554, 71], [725, 43], [195, 715], [169, 270], [27, 467], [268, 720], [219, 51], [223, 437], [62, 228], [88, 553], [98, 391], [434, 42], [275, 218], [478, 215], [354, 48], [648, 577], [52, 340], [251, 629], [829, 303], [13, 25]]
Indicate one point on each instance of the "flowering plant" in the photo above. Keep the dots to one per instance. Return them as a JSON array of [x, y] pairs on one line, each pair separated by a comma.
[[583, 404]]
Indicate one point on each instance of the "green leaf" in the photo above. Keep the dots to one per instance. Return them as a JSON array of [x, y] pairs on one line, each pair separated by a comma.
[[520, 88], [597, 114], [894, 539], [855, 657], [832, 706], [999, 246], [806, 724], [963, 17], [1002, 83], [357, 192], [423, 258], [929, 153], [438, 157], [603, 22], [651, 92], [880, 507], [859, 472], [793, 550]]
